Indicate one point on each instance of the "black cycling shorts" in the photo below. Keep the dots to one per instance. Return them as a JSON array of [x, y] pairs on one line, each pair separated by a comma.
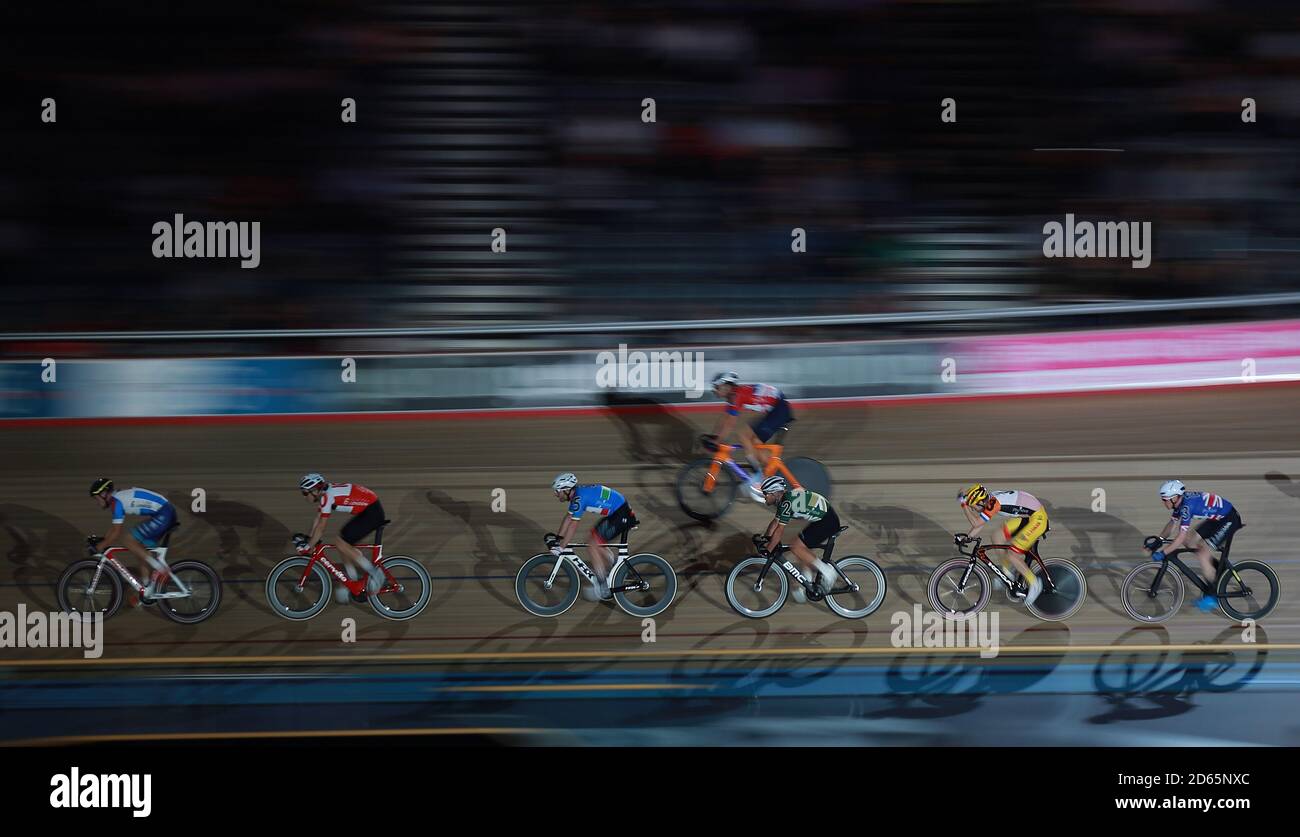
[[1216, 532], [370, 519], [818, 531], [614, 525]]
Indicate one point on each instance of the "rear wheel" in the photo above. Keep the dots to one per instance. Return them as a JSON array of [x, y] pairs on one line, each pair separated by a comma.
[[870, 581], [293, 596], [76, 595], [1250, 591], [1066, 594], [754, 592], [1148, 605], [654, 583], [205, 593], [545, 589], [704, 498], [956, 593], [407, 594], [811, 474]]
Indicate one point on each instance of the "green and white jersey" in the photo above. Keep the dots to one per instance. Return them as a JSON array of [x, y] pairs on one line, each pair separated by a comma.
[[802, 504]]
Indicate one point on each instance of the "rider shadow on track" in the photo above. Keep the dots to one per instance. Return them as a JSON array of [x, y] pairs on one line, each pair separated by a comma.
[[653, 433], [908, 545], [1283, 483], [249, 543], [40, 547], [490, 558], [1106, 549], [944, 683], [1146, 686]]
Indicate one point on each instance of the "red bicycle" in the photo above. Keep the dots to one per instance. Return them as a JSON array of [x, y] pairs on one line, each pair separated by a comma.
[[300, 586]]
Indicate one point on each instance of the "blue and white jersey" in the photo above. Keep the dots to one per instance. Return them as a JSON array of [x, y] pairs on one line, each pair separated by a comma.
[[1201, 504], [594, 498], [137, 501]]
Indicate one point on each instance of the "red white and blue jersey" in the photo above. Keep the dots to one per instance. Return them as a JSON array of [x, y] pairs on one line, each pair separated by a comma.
[[137, 501], [758, 398], [1201, 504]]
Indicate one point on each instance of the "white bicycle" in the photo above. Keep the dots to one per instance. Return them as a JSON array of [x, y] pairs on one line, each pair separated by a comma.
[[185, 592], [642, 585]]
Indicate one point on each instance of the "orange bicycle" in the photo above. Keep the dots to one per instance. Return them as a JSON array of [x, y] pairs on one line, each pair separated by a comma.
[[706, 488]]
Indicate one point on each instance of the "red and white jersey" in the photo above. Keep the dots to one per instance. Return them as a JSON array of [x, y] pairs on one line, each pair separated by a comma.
[[346, 496], [760, 398]]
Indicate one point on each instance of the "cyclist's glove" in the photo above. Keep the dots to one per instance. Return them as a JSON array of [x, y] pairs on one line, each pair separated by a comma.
[[1157, 556], [550, 539], [557, 550]]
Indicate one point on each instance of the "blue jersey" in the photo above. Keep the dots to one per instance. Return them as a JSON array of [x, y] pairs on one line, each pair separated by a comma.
[[594, 498], [1201, 504], [138, 501]]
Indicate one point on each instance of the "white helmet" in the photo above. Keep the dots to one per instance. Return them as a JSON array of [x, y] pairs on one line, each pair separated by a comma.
[[774, 485], [725, 378], [565, 481], [1172, 489], [310, 481]]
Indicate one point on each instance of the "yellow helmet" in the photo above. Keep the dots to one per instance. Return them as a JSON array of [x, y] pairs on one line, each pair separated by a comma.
[[976, 495]]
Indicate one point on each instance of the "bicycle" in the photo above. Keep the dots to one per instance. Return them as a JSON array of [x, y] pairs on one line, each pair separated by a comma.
[[548, 585], [706, 488], [1152, 594], [853, 598], [960, 588], [300, 586], [186, 592]]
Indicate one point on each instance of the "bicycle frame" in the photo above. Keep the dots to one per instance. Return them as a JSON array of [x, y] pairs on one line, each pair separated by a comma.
[[980, 553], [1225, 566], [158, 560], [355, 587], [569, 555], [722, 458], [791, 570]]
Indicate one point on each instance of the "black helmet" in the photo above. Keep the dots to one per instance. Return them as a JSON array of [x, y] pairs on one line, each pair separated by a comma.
[[99, 486]]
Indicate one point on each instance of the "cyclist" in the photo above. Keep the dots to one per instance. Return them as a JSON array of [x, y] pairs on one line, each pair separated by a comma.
[[765, 400], [367, 516], [1220, 520], [1025, 522], [159, 516], [616, 518], [802, 504]]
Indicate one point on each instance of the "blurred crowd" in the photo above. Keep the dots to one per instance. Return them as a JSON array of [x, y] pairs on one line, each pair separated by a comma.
[[822, 115]]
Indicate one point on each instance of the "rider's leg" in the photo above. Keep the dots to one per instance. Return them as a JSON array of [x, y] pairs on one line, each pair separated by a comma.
[[814, 566], [601, 557], [1205, 555], [757, 459]]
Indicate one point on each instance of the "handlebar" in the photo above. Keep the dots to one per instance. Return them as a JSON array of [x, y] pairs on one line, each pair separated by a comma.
[[92, 541], [965, 540], [550, 539], [1154, 542]]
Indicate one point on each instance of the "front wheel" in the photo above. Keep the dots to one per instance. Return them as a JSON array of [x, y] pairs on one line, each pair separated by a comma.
[[205, 593], [958, 588], [546, 585], [702, 496], [867, 577], [1145, 602], [757, 587], [80, 593], [406, 591], [1066, 594], [651, 585], [296, 593], [1249, 591]]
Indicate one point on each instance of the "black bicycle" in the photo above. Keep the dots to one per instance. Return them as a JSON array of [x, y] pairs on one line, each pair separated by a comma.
[[960, 588], [757, 587], [1151, 593]]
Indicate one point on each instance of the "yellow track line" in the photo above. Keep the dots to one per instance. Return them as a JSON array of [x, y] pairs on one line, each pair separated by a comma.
[[452, 656], [566, 687], [63, 740]]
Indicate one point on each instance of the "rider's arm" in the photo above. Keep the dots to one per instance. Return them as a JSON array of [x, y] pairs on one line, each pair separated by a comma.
[[1178, 540], [723, 428], [568, 526], [110, 537], [1169, 528], [317, 529], [773, 533], [976, 522]]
